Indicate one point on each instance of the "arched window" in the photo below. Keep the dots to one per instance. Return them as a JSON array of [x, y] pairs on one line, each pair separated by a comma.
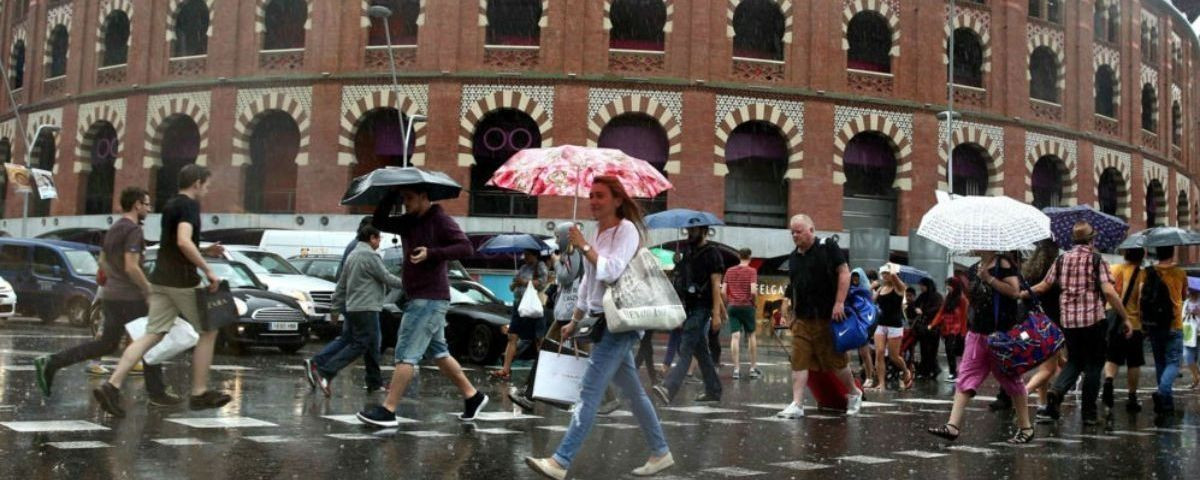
[[1114, 23], [1149, 108], [499, 135], [271, 175], [970, 170], [1156, 204], [1183, 212], [59, 42], [180, 147], [514, 22], [758, 28], [116, 39], [1106, 87], [968, 58], [1048, 10], [756, 192], [5, 157], [45, 153], [379, 142], [868, 196], [870, 40], [638, 25], [1111, 191], [191, 29], [283, 24], [1176, 123], [17, 64], [1099, 22], [1043, 75], [639, 136], [402, 23], [98, 193], [1048, 182]]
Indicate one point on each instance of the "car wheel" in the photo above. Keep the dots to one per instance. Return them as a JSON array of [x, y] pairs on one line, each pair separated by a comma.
[[479, 344], [77, 312], [96, 320], [291, 349]]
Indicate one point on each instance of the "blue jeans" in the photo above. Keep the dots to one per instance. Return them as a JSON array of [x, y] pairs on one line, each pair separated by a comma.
[[422, 331], [695, 344], [673, 346], [1167, 347], [611, 361], [360, 337]]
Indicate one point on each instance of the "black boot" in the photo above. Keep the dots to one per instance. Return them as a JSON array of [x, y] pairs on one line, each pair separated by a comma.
[[1133, 406], [1106, 394]]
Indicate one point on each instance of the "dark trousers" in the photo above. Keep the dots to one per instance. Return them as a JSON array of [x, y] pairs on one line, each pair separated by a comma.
[[645, 356], [359, 338], [1085, 356], [927, 342], [954, 351], [694, 344], [714, 346], [116, 314]]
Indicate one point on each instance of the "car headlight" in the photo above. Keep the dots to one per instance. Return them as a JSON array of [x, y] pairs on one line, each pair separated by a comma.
[[305, 301], [242, 308]]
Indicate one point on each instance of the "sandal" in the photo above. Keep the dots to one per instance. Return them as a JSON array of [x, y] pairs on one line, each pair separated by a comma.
[[944, 432], [908, 384], [1023, 435]]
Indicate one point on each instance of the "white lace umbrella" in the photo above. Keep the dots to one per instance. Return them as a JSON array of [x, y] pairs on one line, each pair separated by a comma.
[[984, 224]]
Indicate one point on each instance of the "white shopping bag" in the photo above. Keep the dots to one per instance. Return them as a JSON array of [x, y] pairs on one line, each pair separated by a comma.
[[181, 338], [559, 377], [531, 304]]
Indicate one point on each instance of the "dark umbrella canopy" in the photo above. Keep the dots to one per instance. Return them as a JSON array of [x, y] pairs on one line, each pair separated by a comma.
[[912, 275], [681, 218], [1110, 230], [512, 243], [370, 189], [1160, 237]]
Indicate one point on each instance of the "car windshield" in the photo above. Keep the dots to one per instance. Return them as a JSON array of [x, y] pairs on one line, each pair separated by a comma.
[[462, 292], [236, 277], [82, 262], [266, 261]]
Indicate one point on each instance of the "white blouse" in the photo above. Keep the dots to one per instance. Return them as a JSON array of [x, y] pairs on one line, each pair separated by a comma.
[[615, 248]]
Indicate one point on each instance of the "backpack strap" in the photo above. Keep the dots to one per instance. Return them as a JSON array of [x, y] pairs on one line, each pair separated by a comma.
[[1129, 288]]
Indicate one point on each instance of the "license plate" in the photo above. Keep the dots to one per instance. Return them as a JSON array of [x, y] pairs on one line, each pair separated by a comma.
[[284, 326]]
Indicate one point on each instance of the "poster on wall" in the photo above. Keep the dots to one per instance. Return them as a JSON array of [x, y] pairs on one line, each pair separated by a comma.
[[45, 184], [18, 176], [770, 302]]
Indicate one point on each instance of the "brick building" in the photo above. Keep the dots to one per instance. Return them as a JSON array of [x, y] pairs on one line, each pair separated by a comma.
[[756, 109]]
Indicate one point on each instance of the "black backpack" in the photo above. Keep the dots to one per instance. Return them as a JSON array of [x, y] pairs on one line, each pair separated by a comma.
[[687, 286], [1156, 307]]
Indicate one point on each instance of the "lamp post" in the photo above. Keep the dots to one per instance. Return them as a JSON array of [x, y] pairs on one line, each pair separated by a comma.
[[949, 113], [383, 13]]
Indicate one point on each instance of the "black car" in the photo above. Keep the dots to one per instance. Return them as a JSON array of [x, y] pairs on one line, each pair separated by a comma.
[[475, 324], [266, 319]]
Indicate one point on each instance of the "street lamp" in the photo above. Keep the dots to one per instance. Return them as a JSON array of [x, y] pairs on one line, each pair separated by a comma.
[[383, 13], [950, 99]]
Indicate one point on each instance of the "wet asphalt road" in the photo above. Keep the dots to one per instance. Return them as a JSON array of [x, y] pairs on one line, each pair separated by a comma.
[[277, 428]]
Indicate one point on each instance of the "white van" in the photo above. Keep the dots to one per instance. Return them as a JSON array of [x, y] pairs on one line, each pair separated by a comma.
[[301, 243]]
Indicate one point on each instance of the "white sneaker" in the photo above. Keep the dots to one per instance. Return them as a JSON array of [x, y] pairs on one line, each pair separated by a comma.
[[853, 404], [737, 374], [793, 411]]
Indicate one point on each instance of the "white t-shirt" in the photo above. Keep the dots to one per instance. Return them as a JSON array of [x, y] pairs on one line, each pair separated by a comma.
[[615, 248]]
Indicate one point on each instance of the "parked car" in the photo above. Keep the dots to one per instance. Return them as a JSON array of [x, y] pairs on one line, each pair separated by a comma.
[[52, 277], [265, 318], [476, 324], [8, 300], [289, 243], [322, 266]]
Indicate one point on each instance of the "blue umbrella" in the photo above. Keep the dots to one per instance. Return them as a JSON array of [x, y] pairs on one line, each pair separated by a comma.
[[912, 275], [512, 243], [1110, 230], [681, 218]]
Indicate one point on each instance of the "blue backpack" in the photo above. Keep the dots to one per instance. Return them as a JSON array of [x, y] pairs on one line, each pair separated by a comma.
[[861, 313]]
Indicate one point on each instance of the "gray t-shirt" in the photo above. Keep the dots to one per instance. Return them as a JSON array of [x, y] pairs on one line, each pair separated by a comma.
[[123, 237], [527, 272]]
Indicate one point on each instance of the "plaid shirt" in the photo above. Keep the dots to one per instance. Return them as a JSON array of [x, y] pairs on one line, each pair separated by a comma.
[[1082, 304]]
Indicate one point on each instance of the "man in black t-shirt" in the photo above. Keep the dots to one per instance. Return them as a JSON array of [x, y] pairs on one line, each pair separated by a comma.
[[173, 294], [698, 276], [820, 279]]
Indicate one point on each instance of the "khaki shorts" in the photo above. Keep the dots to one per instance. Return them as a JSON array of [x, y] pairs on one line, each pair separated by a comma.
[[167, 303], [812, 346]]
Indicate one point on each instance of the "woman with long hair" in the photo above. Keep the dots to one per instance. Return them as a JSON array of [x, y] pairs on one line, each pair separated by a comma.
[[607, 252], [1034, 270], [994, 289], [929, 301], [951, 323], [890, 330]]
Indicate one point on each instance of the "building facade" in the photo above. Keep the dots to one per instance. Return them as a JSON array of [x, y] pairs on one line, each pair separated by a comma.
[[755, 109]]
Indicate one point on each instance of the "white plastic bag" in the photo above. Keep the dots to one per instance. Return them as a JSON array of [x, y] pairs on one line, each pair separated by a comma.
[[181, 338], [531, 304], [643, 298]]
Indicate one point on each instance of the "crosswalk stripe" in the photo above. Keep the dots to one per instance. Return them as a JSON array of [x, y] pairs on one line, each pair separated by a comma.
[[353, 419], [1015, 445], [78, 445], [920, 454], [352, 436], [734, 472], [865, 459], [180, 442], [800, 465], [702, 410], [52, 426], [497, 431], [270, 439], [426, 434], [222, 422], [970, 449]]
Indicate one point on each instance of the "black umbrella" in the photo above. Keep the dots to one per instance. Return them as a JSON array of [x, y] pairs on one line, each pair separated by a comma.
[[1160, 237], [370, 189]]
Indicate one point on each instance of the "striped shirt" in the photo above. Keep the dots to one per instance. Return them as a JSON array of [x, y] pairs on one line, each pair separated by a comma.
[[738, 283], [1081, 302]]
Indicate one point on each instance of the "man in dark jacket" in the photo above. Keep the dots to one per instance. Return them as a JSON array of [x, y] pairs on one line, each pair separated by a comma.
[[698, 282], [430, 240]]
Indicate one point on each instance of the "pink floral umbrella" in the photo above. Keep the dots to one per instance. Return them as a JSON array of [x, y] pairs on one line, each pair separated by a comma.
[[568, 171]]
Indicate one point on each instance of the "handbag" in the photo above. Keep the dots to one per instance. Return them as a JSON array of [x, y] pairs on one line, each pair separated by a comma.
[[559, 376], [181, 338], [861, 312], [1027, 344], [642, 298], [531, 304], [217, 309]]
